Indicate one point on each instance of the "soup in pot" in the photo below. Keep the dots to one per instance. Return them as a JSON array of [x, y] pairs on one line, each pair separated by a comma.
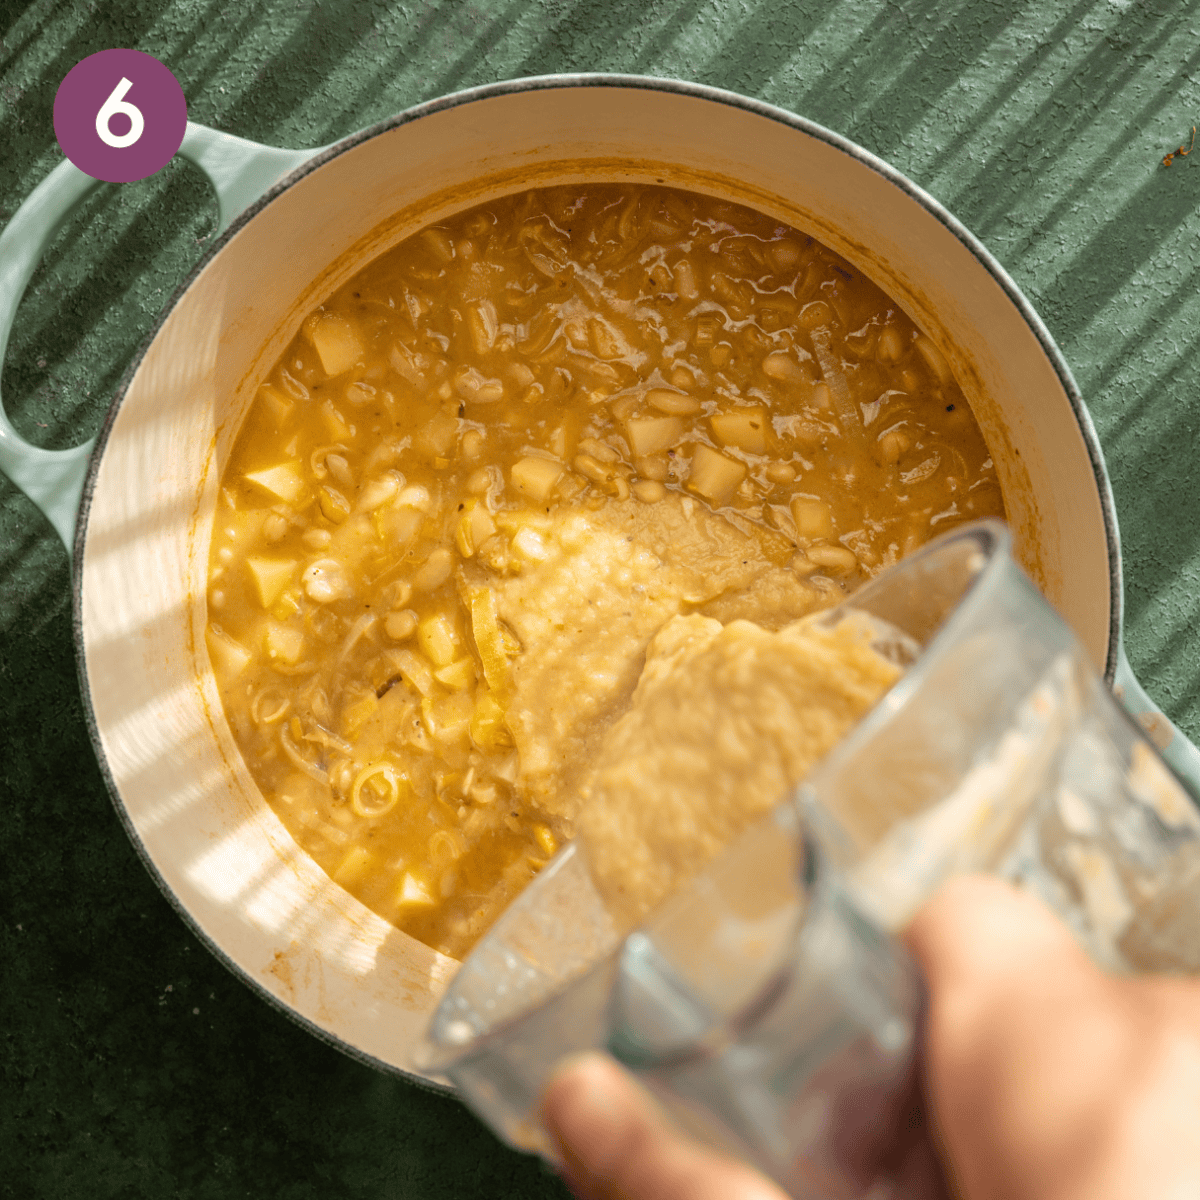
[[493, 466]]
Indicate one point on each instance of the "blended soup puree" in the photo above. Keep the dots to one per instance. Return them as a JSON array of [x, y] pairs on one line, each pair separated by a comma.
[[494, 467]]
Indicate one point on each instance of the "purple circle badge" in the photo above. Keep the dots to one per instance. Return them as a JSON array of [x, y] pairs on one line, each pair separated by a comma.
[[120, 115]]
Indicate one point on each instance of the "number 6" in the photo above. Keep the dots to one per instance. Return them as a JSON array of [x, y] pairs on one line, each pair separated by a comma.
[[116, 103]]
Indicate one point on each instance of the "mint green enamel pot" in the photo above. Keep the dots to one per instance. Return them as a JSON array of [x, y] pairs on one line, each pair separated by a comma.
[[135, 506]]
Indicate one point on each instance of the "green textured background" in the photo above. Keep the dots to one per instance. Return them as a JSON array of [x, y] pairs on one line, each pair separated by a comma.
[[132, 1063]]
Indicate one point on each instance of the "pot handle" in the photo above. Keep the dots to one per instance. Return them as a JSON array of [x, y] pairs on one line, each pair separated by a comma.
[[1178, 752], [240, 172]]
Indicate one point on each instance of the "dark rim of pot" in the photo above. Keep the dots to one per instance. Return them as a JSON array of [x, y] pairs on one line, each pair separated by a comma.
[[486, 92]]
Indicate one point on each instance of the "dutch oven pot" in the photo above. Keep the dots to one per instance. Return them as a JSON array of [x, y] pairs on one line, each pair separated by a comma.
[[137, 507]]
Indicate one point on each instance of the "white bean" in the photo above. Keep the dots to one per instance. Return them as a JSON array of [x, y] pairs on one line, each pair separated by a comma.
[[837, 559], [434, 571], [400, 625]]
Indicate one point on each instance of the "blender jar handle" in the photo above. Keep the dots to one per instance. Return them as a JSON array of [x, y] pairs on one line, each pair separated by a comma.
[[240, 172], [1178, 752]]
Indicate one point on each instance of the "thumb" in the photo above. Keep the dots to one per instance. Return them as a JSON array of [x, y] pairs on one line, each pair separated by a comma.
[[614, 1143]]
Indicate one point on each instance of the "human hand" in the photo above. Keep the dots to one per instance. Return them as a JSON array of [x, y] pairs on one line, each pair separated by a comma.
[[614, 1144], [1044, 1079]]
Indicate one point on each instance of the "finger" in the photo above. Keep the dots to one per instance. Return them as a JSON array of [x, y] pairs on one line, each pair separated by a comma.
[[614, 1143], [978, 929], [1024, 1040], [1010, 992]]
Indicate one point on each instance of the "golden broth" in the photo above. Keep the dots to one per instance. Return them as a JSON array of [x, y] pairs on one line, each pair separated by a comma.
[[493, 430]]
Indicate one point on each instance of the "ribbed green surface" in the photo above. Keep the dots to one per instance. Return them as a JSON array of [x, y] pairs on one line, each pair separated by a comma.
[[133, 1064]]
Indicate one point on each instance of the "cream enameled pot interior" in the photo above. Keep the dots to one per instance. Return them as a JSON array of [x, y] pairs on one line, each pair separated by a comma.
[[193, 808]]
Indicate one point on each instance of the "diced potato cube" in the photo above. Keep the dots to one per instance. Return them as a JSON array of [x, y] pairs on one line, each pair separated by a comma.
[[458, 675], [355, 867], [414, 892], [277, 406], [336, 342], [229, 658], [284, 481], [335, 423], [536, 477], [437, 638], [439, 433], [489, 730], [240, 530], [271, 575], [283, 643], [649, 435], [397, 528], [449, 719], [714, 475], [813, 518], [745, 428]]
